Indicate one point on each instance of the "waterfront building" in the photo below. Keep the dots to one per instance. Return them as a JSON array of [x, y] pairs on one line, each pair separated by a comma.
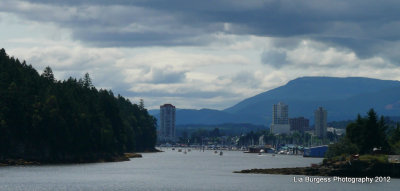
[[320, 122], [280, 119], [167, 122], [318, 151], [299, 124]]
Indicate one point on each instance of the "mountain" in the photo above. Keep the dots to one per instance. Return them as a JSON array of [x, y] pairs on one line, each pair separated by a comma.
[[344, 98]]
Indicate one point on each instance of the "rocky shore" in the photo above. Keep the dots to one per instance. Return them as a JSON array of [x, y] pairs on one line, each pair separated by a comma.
[[17, 162], [133, 155], [26, 162], [70, 160], [337, 168]]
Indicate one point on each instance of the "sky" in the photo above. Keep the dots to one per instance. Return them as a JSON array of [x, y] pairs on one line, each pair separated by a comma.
[[203, 53]]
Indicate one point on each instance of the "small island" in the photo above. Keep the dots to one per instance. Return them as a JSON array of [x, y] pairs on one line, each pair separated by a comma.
[[369, 148], [368, 165], [47, 121]]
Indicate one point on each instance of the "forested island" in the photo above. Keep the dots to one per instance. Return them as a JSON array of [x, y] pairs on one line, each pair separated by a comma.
[[363, 151], [44, 120]]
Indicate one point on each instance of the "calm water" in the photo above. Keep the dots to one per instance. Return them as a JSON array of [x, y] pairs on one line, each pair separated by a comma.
[[172, 170]]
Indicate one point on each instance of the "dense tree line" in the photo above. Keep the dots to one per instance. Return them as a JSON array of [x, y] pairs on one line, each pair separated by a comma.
[[366, 134], [44, 119], [228, 129], [339, 124]]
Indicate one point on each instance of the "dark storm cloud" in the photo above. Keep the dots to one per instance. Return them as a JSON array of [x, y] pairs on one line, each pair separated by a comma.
[[162, 76], [276, 59], [360, 25], [187, 93], [135, 39]]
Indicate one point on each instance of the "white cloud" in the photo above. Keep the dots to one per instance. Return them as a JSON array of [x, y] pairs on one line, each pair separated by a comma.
[[194, 78], [198, 57]]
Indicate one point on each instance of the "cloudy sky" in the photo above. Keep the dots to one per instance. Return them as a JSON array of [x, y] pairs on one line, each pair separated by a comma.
[[205, 53]]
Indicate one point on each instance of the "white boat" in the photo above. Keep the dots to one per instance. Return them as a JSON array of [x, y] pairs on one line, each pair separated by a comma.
[[282, 152]]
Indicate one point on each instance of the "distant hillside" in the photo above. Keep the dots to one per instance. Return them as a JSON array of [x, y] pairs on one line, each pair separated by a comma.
[[344, 98], [205, 117], [228, 129]]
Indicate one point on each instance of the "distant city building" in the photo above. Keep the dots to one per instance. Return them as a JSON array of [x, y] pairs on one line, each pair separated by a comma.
[[280, 119], [300, 124], [336, 131], [320, 122], [167, 122]]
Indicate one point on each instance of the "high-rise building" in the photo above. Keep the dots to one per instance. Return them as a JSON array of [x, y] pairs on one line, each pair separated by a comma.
[[167, 122], [280, 119], [321, 122], [299, 124]]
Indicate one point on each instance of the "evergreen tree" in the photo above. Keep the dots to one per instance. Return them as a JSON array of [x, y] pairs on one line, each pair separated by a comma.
[[48, 74], [87, 81], [70, 121], [362, 136]]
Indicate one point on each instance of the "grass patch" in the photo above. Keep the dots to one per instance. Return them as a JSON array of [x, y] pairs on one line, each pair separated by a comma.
[[374, 158]]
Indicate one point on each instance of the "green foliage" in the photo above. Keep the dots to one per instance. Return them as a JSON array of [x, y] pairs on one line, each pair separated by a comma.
[[374, 158], [87, 81], [48, 74], [47, 120], [396, 148], [368, 133], [339, 124], [362, 136], [394, 140], [342, 147]]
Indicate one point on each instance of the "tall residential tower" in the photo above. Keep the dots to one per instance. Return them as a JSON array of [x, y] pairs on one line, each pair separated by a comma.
[[321, 122], [280, 119], [167, 122]]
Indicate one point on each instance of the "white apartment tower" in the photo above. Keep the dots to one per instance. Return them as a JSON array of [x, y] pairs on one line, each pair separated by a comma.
[[320, 122], [280, 119], [167, 122]]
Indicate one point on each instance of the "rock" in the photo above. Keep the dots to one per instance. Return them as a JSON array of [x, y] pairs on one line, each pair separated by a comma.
[[133, 155]]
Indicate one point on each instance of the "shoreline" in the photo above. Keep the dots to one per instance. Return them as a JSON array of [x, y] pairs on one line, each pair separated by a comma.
[[337, 168], [110, 158], [23, 162]]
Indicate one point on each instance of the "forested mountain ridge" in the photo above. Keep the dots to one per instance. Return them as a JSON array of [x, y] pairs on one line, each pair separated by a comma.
[[341, 97], [45, 120]]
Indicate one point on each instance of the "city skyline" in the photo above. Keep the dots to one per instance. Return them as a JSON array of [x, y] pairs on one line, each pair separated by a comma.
[[199, 95], [203, 54]]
